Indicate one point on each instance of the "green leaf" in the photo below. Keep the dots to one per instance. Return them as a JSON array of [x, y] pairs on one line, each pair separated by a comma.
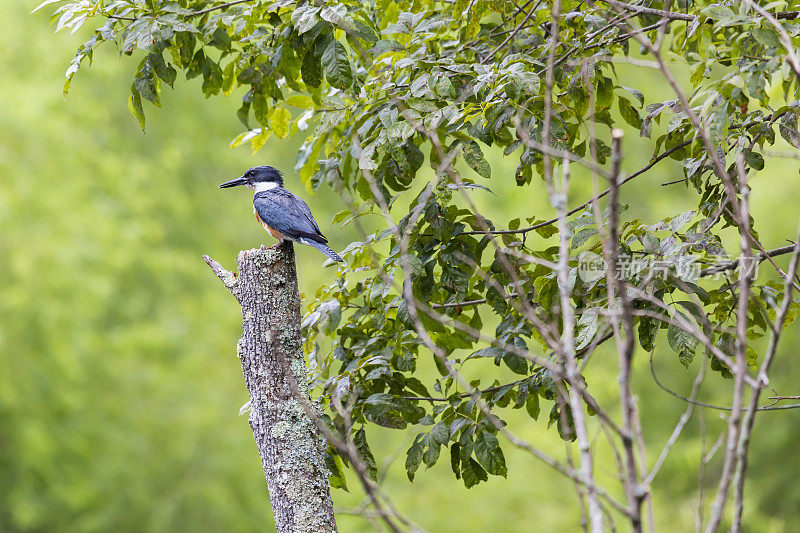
[[431, 453], [261, 109], [386, 45], [229, 78], [517, 364], [335, 469], [443, 86], [455, 459], [336, 65], [414, 457], [629, 113], [334, 316], [441, 433], [146, 84], [244, 137], [583, 236], [163, 70], [477, 9], [360, 441], [341, 215], [683, 343], [532, 405], [279, 122], [212, 78], [636, 94], [587, 325], [490, 351], [489, 454], [524, 82], [221, 40], [300, 100], [788, 129], [45, 4], [135, 107], [547, 231], [185, 42], [473, 156], [701, 293], [258, 142], [472, 473], [695, 310], [305, 18], [648, 327], [718, 13], [754, 160], [364, 32], [311, 69], [243, 114], [414, 157], [767, 37], [605, 93]]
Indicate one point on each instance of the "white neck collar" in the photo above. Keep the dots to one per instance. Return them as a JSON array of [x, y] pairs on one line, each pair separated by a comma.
[[260, 186]]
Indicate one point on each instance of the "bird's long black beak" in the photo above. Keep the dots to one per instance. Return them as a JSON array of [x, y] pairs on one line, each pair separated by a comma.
[[233, 183]]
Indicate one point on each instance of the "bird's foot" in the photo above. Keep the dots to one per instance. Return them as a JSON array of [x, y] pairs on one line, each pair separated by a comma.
[[276, 244], [263, 247]]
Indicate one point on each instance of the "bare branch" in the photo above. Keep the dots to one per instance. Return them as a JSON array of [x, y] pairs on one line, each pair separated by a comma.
[[588, 202], [193, 14], [567, 351], [633, 489], [749, 416], [740, 371], [226, 277], [672, 15], [525, 20], [734, 264]]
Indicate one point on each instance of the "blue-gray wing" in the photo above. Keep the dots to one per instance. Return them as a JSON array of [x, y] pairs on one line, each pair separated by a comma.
[[287, 213]]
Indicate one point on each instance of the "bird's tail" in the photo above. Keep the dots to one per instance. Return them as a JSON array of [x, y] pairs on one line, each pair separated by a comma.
[[325, 249]]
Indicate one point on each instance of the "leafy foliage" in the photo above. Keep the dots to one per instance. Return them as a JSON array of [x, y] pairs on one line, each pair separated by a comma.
[[381, 88]]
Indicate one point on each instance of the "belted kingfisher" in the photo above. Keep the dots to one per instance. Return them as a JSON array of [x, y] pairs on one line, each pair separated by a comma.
[[283, 214]]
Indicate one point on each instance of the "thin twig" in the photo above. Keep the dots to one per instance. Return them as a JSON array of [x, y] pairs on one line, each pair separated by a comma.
[[528, 15], [769, 407], [684, 419], [733, 264], [588, 202], [193, 14], [216, 8], [568, 352], [749, 416], [740, 371], [633, 489], [672, 15]]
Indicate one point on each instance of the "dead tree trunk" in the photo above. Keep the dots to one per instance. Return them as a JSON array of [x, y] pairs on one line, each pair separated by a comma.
[[291, 447]]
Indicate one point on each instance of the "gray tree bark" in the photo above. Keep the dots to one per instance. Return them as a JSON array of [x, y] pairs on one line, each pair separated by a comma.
[[291, 447]]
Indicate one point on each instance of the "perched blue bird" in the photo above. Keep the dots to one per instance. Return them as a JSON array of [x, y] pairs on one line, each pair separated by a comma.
[[284, 215]]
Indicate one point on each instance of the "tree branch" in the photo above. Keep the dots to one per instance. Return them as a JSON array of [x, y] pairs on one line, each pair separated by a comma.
[[227, 278], [733, 264], [216, 8], [588, 202], [672, 15], [740, 371], [633, 489], [749, 416]]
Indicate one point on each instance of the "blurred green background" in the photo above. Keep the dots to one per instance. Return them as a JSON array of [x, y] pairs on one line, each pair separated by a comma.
[[119, 384]]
